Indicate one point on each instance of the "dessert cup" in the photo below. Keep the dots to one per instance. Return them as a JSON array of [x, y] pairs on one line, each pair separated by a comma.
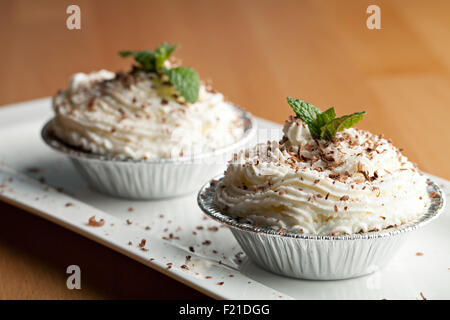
[[149, 179], [319, 257]]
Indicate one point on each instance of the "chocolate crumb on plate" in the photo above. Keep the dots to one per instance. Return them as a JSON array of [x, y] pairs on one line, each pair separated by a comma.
[[33, 170], [69, 204], [220, 283], [94, 223]]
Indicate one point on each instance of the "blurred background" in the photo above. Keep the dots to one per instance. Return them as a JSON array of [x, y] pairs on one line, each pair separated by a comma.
[[257, 52]]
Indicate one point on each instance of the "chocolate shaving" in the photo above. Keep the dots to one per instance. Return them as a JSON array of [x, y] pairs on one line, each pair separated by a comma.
[[94, 223], [435, 195], [334, 176]]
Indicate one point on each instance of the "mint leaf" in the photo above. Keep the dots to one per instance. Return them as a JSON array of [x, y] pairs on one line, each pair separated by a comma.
[[186, 81], [307, 112], [324, 118], [163, 52], [328, 131]]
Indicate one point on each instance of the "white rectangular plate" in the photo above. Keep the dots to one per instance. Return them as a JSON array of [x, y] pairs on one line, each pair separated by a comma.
[[28, 168]]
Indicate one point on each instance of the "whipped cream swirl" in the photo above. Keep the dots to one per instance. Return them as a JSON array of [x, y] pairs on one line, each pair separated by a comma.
[[359, 182], [141, 116]]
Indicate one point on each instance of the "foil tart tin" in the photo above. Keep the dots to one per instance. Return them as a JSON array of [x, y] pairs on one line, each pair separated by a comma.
[[150, 179], [318, 257]]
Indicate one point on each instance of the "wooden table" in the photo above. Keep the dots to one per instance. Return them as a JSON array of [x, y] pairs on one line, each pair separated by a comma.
[[257, 52]]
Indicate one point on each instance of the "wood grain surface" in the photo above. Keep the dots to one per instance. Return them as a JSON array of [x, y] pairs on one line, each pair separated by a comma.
[[256, 52]]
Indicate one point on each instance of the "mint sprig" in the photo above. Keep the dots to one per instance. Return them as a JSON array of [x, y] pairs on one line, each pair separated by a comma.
[[185, 79], [151, 60], [323, 125], [162, 53]]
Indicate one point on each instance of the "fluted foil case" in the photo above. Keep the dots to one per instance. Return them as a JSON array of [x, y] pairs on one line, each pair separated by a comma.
[[318, 257]]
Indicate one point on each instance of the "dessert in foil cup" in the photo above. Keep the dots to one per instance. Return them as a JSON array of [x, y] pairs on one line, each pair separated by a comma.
[[327, 201], [153, 132]]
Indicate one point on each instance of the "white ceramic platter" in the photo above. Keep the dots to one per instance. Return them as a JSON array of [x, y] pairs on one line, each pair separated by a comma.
[[30, 174]]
